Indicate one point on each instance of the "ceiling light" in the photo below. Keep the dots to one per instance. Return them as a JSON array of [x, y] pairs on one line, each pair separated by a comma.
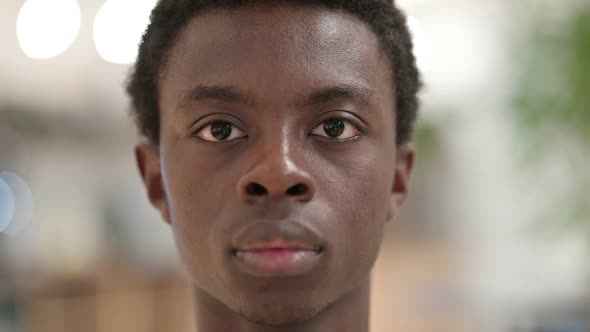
[[118, 27], [46, 29]]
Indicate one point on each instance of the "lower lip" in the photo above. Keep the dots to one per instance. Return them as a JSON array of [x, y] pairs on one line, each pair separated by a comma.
[[277, 262]]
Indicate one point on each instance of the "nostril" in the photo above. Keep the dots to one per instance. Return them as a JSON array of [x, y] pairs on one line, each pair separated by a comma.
[[255, 189], [297, 190]]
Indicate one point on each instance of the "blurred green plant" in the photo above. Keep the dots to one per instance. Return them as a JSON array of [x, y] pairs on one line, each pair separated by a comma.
[[426, 140], [552, 111], [555, 86]]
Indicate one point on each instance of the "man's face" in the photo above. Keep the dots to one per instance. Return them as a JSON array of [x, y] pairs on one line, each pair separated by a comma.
[[277, 166]]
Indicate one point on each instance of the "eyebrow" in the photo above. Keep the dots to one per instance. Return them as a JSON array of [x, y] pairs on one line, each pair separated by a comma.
[[206, 92], [229, 94], [356, 93]]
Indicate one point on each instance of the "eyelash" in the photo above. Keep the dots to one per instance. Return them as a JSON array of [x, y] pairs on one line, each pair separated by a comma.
[[355, 127], [348, 122], [210, 124]]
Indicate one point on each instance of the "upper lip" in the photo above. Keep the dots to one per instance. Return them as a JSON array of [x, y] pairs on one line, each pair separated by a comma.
[[262, 235], [278, 243]]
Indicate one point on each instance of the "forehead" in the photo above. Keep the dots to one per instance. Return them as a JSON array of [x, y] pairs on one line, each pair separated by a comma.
[[282, 50]]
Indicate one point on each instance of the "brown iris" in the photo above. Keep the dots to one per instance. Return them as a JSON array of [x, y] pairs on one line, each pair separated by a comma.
[[334, 127], [221, 130]]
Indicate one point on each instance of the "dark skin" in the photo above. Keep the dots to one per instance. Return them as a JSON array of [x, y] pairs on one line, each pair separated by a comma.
[[278, 123]]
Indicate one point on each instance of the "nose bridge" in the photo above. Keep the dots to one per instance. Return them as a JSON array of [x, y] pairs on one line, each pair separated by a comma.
[[276, 152], [277, 169], [280, 152]]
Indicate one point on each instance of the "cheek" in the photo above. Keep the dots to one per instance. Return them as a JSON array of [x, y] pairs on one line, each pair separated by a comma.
[[193, 177], [193, 208], [360, 194]]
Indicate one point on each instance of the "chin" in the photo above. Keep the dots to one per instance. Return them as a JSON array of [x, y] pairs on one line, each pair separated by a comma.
[[279, 314]]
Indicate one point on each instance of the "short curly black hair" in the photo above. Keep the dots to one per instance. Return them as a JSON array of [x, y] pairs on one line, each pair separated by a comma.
[[169, 17]]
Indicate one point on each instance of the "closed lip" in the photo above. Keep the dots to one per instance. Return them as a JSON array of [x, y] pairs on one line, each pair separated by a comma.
[[268, 235], [277, 249], [279, 244]]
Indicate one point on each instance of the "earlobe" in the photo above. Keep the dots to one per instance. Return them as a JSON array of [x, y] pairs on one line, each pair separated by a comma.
[[404, 166], [148, 163]]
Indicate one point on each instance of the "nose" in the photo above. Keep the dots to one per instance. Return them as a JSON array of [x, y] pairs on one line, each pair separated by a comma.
[[276, 176]]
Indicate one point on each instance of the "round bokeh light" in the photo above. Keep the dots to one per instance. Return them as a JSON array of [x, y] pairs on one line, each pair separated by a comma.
[[46, 29], [7, 204], [22, 204], [118, 27]]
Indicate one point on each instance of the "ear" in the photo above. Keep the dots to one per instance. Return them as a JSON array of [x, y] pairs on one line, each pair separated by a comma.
[[404, 165], [148, 161]]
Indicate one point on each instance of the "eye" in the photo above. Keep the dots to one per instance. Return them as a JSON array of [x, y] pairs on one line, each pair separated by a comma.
[[339, 129], [220, 131]]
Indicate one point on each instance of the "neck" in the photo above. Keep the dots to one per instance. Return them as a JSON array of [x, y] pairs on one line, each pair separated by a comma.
[[350, 313]]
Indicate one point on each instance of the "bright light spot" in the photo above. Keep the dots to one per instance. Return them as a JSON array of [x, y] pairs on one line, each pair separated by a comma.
[[46, 29], [7, 203], [23, 203], [118, 27], [406, 4], [421, 42]]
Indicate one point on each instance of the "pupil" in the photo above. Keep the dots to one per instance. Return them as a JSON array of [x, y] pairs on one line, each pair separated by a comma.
[[334, 128], [221, 130]]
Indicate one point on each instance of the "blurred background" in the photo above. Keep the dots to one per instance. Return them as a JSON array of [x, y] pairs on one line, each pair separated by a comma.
[[495, 236]]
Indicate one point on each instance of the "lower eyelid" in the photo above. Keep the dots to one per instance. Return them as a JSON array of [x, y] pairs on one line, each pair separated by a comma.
[[242, 134], [357, 129]]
